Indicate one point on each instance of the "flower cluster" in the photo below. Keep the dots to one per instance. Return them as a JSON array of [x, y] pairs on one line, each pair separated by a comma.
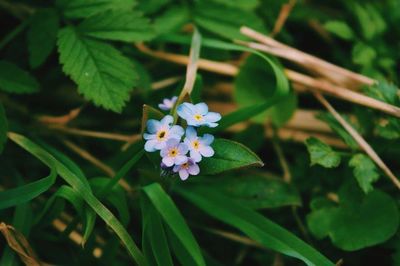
[[181, 150]]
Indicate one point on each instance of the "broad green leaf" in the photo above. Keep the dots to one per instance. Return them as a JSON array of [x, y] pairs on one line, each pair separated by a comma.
[[255, 84], [86, 194], [42, 36], [258, 192], [87, 8], [228, 155], [363, 54], [15, 80], [370, 20], [384, 91], [322, 154], [358, 222], [242, 4], [119, 25], [153, 231], [172, 217], [207, 14], [318, 220], [27, 192], [364, 171], [3, 128], [340, 28], [102, 73], [251, 223]]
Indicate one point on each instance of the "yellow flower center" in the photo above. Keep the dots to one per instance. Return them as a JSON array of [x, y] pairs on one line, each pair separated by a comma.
[[173, 152], [161, 134], [196, 144], [185, 166], [198, 117]]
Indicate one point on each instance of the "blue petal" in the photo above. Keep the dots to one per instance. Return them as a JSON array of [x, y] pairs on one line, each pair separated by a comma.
[[167, 120], [207, 139], [212, 117], [153, 125], [176, 131], [191, 133], [186, 110], [202, 108], [150, 145]]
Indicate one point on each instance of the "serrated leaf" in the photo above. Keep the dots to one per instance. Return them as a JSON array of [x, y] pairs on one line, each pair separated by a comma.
[[15, 80], [87, 8], [242, 4], [340, 29], [3, 128], [322, 154], [42, 36], [102, 73], [364, 171], [120, 25], [228, 155]]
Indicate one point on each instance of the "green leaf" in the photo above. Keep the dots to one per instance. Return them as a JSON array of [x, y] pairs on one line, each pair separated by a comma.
[[119, 25], [358, 222], [228, 155], [173, 218], [251, 223], [42, 36], [86, 194], [15, 80], [207, 15], [340, 28], [255, 84], [258, 192], [364, 171], [363, 54], [172, 19], [242, 4], [25, 193], [102, 73], [322, 154], [3, 128], [87, 8], [155, 235]]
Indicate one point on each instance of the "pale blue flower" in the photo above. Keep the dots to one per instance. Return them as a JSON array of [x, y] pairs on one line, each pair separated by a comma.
[[198, 115], [167, 104], [159, 132], [186, 169], [174, 153], [198, 146]]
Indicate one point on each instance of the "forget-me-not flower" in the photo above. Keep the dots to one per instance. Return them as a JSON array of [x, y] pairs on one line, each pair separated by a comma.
[[174, 153], [198, 115], [186, 169], [159, 132], [167, 104], [198, 146]]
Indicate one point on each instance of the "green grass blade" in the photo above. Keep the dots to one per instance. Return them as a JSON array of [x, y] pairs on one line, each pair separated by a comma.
[[87, 195], [173, 218], [253, 224]]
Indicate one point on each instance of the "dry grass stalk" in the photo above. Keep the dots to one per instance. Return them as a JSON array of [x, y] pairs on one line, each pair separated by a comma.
[[17, 242], [234, 237], [359, 139], [60, 120], [283, 15], [314, 84], [161, 84], [327, 70], [96, 162]]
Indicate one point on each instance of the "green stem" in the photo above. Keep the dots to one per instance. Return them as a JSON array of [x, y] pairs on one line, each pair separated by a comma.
[[10, 36]]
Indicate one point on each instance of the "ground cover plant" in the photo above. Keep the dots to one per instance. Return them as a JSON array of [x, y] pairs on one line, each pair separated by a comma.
[[208, 132]]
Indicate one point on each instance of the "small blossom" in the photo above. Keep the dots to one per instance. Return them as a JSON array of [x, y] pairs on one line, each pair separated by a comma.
[[160, 132], [198, 146], [186, 169], [198, 115], [174, 153], [167, 104]]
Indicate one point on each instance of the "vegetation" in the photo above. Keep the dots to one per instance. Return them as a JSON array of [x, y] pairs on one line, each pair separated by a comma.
[[209, 132]]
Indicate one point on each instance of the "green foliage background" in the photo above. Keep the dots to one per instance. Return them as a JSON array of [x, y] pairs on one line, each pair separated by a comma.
[[56, 56]]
